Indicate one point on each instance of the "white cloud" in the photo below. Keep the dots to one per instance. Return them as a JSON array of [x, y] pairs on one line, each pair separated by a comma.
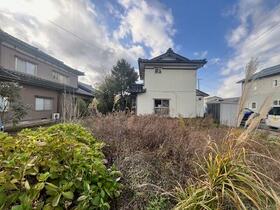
[[258, 37], [237, 34], [201, 54], [53, 25], [214, 61], [148, 23]]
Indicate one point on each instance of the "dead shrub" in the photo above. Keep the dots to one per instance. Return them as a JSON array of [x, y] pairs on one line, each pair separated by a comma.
[[152, 151]]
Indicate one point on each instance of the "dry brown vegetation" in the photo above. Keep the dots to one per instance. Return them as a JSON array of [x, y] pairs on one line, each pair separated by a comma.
[[156, 154]]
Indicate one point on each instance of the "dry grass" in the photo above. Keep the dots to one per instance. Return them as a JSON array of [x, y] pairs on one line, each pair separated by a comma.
[[155, 154]]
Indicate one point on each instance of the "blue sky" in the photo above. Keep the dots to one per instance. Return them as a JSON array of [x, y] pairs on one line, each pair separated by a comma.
[[91, 34]]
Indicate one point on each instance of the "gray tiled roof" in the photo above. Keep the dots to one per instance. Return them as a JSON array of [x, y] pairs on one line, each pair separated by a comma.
[[85, 89], [267, 72]]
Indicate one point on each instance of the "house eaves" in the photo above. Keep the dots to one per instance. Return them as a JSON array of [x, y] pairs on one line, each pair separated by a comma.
[[201, 93]]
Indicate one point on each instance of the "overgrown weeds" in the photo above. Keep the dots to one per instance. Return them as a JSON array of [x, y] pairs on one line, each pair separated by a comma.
[[227, 181]]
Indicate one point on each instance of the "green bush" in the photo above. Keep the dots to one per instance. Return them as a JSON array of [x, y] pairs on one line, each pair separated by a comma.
[[60, 167]]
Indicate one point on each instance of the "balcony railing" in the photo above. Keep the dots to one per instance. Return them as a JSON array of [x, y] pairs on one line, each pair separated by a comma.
[[137, 88], [161, 110]]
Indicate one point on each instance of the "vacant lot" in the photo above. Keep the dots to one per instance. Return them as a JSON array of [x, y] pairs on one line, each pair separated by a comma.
[[157, 154]]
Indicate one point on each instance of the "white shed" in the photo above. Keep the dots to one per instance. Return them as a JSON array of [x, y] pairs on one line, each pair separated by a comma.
[[224, 111], [228, 111]]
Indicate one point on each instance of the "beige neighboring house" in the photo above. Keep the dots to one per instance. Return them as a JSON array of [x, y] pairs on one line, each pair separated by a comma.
[[44, 79], [169, 86], [263, 84]]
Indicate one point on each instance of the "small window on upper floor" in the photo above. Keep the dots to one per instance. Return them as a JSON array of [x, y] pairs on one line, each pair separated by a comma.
[[275, 83], [25, 66], [254, 105], [275, 103], [157, 70], [60, 78]]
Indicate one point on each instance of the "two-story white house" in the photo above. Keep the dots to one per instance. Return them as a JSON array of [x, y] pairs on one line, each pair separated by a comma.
[[263, 83], [169, 86]]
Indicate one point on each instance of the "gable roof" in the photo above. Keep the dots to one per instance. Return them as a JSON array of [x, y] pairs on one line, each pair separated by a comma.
[[5, 37], [267, 72], [170, 58]]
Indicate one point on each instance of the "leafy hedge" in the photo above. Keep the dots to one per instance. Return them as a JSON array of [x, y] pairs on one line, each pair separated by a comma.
[[60, 167]]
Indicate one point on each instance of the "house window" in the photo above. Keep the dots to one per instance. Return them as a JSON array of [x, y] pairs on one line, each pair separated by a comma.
[[161, 106], [254, 105], [26, 66], [158, 70], [60, 78], [43, 104], [275, 83], [275, 103]]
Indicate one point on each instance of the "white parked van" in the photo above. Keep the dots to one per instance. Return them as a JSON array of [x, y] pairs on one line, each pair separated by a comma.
[[273, 117]]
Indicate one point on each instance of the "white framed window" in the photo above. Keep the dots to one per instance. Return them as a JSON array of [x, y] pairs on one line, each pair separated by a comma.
[[275, 83], [161, 106], [25, 66], [157, 70], [275, 103], [43, 104], [60, 77], [254, 105]]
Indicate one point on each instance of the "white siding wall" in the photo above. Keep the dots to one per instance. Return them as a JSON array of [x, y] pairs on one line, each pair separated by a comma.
[[176, 85], [262, 88]]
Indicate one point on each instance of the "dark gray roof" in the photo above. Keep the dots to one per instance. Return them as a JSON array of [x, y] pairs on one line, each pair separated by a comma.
[[5, 37], [85, 89], [267, 72], [201, 93], [169, 58], [83, 92]]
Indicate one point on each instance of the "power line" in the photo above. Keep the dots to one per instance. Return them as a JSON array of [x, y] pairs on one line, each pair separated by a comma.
[[272, 28], [76, 36]]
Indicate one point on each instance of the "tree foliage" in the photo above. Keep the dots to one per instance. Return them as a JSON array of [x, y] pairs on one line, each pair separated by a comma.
[[105, 95], [122, 76], [11, 107]]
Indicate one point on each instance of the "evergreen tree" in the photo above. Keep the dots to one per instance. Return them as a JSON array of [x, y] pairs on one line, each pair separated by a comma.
[[122, 76]]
